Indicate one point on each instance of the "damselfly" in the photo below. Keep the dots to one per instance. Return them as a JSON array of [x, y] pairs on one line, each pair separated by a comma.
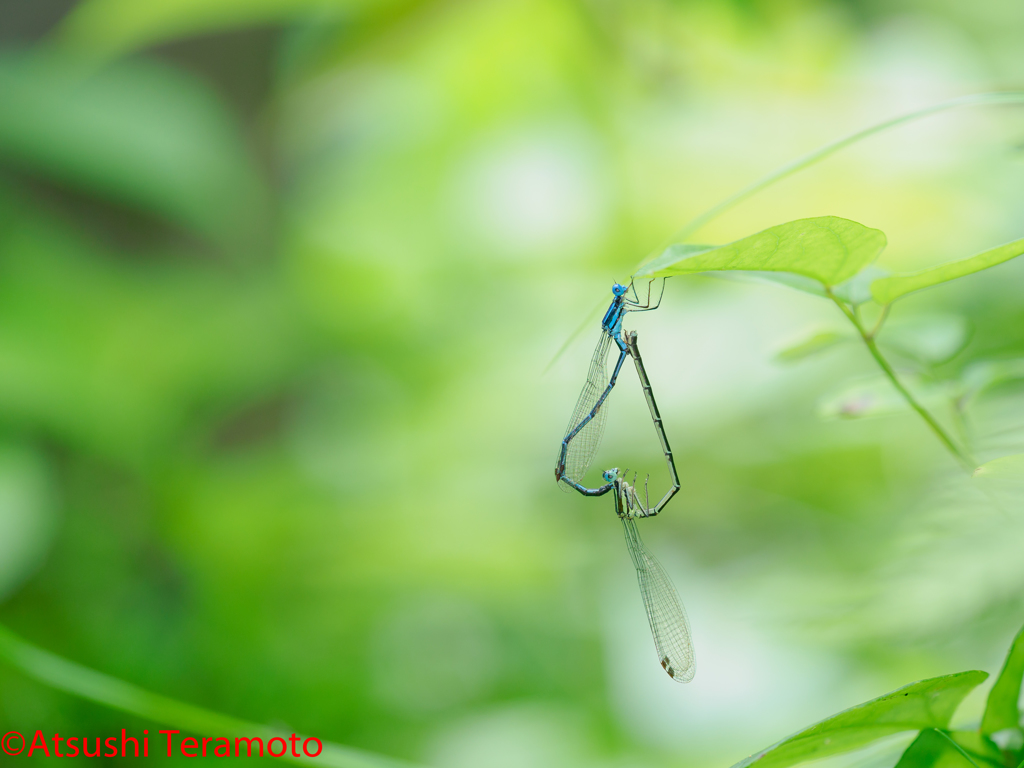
[[586, 427], [665, 613]]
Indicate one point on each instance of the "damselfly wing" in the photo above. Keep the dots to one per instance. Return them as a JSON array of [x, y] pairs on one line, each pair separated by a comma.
[[665, 612], [582, 448]]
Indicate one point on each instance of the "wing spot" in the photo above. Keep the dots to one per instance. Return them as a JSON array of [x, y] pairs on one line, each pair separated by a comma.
[[665, 664]]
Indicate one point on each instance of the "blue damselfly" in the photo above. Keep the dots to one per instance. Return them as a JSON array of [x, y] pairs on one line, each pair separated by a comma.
[[586, 427]]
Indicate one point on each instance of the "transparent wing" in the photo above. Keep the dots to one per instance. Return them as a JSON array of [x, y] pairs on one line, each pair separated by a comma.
[[584, 446], [669, 625]]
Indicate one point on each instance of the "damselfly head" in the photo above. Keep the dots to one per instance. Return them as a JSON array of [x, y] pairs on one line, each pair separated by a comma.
[[619, 289], [611, 475]]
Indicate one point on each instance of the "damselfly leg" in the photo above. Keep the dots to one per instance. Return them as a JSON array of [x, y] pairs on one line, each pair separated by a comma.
[[636, 306]]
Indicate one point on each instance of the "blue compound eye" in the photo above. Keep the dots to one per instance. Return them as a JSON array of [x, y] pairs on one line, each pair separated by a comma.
[[610, 475], [618, 289]]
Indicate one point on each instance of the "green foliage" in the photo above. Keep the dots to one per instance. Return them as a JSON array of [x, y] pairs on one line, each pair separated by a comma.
[[238, 334], [833, 258], [827, 249], [928, 339], [933, 748], [977, 747], [1003, 467], [119, 26], [981, 375], [835, 252], [1002, 479], [888, 289], [924, 704], [1001, 711], [77, 680], [258, 463], [135, 133]]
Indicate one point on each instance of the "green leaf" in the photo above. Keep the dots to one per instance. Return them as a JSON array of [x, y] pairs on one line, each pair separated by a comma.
[[1004, 468], [827, 249], [928, 339], [137, 133], [856, 290], [924, 704], [112, 27], [888, 289], [86, 683], [811, 346], [933, 749], [1001, 710], [983, 374], [787, 279], [1002, 479]]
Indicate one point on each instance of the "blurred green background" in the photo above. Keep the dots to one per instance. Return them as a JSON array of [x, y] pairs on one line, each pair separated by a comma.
[[279, 280]]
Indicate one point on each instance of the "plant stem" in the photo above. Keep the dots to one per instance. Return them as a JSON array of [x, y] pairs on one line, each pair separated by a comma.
[[964, 458], [974, 99], [86, 683], [881, 319]]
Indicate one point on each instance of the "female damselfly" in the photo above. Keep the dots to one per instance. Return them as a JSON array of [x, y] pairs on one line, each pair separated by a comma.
[[665, 613]]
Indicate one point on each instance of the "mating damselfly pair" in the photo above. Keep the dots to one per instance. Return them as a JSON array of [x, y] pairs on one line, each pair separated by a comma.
[[665, 612]]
